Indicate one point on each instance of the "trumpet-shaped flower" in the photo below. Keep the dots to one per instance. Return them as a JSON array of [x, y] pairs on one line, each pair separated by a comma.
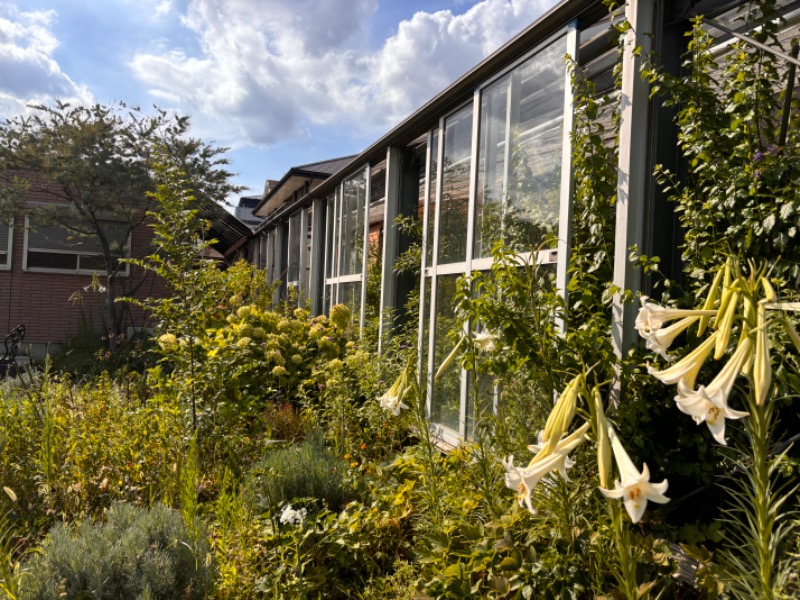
[[652, 316], [633, 487], [709, 403], [709, 407], [392, 399], [524, 479], [485, 341], [688, 367], [392, 403], [660, 340]]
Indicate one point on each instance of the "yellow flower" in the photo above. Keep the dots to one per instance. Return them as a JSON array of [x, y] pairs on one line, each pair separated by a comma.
[[168, 342]]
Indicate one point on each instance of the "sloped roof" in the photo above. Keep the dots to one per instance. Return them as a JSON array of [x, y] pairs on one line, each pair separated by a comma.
[[294, 179], [230, 233]]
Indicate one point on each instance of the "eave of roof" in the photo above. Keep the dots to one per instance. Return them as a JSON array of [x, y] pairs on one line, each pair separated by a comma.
[[295, 178], [228, 231]]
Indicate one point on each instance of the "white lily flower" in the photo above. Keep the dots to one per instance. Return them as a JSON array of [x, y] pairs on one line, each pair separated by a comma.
[[633, 487], [709, 403], [660, 340], [392, 403], [391, 400], [485, 341], [652, 316], [688, 367], [524, 479]]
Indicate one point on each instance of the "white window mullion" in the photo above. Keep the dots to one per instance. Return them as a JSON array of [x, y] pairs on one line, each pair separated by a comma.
[[422, 375], [366, 249], [434, 265], [567, 186], [473, 186]]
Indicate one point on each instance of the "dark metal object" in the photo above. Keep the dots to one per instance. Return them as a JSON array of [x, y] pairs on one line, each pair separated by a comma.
[[746, 38], [12, 343], [787, 101]]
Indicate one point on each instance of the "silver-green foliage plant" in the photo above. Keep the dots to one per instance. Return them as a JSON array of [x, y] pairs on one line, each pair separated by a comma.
[[136, 553], [305, 470]]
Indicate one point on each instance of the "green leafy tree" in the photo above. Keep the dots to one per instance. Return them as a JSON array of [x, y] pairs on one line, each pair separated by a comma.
[[94, 165]]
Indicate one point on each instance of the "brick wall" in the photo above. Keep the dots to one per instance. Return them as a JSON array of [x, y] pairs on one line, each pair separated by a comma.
[[54, 306]]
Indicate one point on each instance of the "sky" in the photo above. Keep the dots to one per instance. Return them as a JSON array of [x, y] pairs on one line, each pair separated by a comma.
[[280, 82]]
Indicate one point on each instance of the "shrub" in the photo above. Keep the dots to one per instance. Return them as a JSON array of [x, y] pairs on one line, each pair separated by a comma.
[[304, 470], [136, 553]]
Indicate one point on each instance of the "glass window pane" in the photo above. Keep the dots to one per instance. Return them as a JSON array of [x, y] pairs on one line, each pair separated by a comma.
[[305, 276], [455, 187], [350, 296], [352, 232], [92, 263], [434, 173], [519, 169], [330, 222], [484, 391], [293, 275], [49, 260], [446, 400]]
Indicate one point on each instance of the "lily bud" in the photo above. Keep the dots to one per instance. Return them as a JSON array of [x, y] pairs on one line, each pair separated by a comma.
[[603, 444], [449, 360], [762, 367], [769, 291], [711, 299], [725, 325], [791, 332]]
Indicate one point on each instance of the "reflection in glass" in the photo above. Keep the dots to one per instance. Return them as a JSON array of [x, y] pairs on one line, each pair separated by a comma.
[[446, 399], [455, 187], [434, 173], [352, 231], [350, 296], [484, 390], [293, 275], [519, 164]]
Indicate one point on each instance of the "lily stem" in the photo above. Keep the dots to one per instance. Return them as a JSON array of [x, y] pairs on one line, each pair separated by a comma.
[[626, 575]]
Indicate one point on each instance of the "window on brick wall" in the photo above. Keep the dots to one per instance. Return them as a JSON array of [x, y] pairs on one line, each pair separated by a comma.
[[55, 248], [6, 237]]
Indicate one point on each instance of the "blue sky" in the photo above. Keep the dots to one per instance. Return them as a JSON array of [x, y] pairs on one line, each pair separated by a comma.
[[280, 82]]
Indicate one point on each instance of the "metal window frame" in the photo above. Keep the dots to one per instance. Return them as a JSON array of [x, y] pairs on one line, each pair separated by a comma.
[[124, 272], [430, 273], [10, 247]]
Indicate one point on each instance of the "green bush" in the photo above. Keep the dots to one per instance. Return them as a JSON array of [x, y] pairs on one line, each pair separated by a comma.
[[136, 553], [304, 470]]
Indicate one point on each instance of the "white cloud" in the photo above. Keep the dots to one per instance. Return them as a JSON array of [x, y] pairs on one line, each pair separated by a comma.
[[28, 73], [269, 67]]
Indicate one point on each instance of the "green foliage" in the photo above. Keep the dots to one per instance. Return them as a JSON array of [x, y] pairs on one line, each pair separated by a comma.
[[95, 165], [330, 555], [72, 450], [304, 470], [740, 195], [135, 553]]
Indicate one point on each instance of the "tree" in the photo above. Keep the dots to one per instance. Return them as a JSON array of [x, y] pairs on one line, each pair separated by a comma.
[[94, 166]]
